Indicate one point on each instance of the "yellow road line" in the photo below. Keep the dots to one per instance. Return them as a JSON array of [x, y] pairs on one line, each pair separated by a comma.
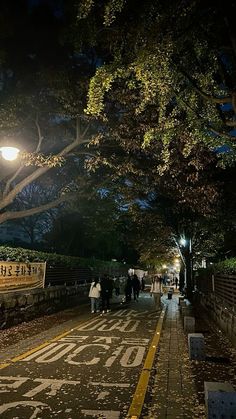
[[43, 345], [3, 366], [136, 406]]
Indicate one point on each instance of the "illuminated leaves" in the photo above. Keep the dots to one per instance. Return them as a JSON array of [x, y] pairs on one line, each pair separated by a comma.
[[84, 8], [41, 160], [111, 9], [99, 85]]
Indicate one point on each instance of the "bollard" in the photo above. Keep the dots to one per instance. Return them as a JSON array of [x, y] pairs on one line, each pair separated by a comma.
[[187, 311], [170, 293], [196, 346], [181, 298], [182, 304], [189, 324], [220, 400]]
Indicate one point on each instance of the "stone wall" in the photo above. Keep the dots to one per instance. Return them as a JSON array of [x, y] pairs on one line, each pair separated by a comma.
[[17, 307], [223, 316]]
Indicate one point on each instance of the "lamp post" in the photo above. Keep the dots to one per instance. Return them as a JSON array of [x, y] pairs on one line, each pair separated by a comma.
[[184, 247], [179, 244], [186, 253]]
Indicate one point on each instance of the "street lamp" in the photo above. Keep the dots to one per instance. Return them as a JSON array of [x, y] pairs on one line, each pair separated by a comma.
[[186, 256], [183, 241], [9, 153]]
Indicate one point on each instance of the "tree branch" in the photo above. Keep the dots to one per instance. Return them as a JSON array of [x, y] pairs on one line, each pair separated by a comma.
[[77, 128], [84, 133], [222, 134], [13, 215], [213, 99], [8, 184], [230, 123], [230, 137], [33, 176], [82, 153], [40, 137]]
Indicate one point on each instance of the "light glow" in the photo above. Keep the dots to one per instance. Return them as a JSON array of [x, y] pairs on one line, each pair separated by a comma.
[[9, 153], [183, 242]]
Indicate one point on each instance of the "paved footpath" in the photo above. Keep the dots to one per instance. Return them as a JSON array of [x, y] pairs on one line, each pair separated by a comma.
[[177, 388]]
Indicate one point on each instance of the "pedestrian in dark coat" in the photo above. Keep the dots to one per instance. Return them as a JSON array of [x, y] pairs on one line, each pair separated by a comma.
[[143, 284], [106, 293], [117, 286], [128, 289], [135, 286]]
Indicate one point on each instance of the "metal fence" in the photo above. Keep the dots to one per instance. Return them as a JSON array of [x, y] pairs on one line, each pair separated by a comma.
[[223, 286], [58, 275]]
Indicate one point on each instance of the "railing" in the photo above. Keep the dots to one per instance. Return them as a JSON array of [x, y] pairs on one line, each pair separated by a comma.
[[223, 286], [57, 275]]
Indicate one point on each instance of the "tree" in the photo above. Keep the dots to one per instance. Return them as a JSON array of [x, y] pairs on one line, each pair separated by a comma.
[[179, 57], [93, 227], [36, 195], [43, 104], [165, 93]]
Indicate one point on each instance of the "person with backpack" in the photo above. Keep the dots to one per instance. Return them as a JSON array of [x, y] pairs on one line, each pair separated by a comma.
[[94, 294]]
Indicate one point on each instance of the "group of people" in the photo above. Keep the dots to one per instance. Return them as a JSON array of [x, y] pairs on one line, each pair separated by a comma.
[[132, 288], [101, 290]]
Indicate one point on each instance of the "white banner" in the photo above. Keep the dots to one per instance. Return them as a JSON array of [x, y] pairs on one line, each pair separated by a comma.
[[16, 276]]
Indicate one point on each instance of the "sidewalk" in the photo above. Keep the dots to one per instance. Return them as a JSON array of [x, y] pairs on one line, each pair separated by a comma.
[[177, 388]]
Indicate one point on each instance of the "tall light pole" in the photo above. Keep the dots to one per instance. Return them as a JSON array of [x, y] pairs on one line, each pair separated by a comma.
[[184, 246], [186, 253], [180, 244]]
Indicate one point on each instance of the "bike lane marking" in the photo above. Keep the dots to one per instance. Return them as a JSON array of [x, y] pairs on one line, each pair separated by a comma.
[[127, 355], [43, 345]]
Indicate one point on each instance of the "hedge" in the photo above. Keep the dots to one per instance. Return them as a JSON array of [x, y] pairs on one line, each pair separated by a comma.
[[227, 266], [25, 255]]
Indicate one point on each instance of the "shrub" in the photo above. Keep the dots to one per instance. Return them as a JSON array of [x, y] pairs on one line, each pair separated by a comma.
[[25, 255], [228, 266]]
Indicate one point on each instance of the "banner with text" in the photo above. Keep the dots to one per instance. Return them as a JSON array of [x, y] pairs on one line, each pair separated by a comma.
[[16, 276]]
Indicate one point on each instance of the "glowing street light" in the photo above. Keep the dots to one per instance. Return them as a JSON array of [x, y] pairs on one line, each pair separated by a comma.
[[9, 153], [183, 241]]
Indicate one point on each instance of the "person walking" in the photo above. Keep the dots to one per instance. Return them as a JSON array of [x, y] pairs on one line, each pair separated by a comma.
[[94, 294], [117, 286], [128, 289], [156, 290], [136, 287], [106, 293], [143, 284]]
